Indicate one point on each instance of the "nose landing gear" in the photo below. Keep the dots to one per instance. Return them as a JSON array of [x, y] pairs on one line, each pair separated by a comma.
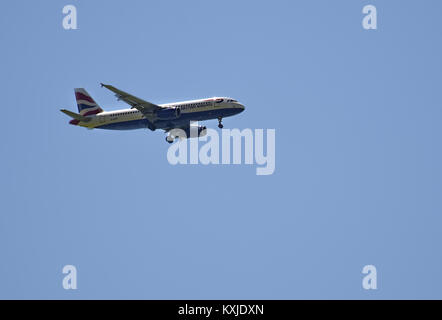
[[220, 125]]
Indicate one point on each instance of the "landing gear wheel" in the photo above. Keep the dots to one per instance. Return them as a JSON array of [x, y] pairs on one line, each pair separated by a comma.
[[169, 141], [220, 125]]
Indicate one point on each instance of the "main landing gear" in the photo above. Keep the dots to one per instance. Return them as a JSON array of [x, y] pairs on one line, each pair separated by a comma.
[[220, 125]]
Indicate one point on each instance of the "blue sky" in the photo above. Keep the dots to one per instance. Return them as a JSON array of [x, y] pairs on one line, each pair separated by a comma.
[[358, 173]]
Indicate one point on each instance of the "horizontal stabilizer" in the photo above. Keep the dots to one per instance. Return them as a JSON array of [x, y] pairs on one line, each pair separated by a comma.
[[76, 116]]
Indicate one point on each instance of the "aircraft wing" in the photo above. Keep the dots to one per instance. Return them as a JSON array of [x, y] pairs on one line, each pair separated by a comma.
[[145, 107]]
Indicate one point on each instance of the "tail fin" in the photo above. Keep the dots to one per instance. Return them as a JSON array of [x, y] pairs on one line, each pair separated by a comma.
[[86, 105]]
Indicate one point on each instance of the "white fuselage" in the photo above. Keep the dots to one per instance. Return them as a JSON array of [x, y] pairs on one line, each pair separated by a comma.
[[192, 110]]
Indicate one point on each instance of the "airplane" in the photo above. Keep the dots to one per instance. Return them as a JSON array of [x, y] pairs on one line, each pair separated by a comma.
[[144, 114]]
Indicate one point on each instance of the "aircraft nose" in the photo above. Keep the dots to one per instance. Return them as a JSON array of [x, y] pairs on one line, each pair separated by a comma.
[[241, 107]]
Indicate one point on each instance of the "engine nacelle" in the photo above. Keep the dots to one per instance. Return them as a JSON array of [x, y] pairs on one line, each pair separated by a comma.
[[202, 131], [173, 134], [169, 113]]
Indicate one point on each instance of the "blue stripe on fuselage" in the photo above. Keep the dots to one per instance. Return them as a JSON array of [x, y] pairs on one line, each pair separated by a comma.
[[183, 120], [125, 125]]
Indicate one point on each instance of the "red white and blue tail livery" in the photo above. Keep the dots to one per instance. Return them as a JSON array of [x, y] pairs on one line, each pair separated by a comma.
[[144, 114], [86, 105]]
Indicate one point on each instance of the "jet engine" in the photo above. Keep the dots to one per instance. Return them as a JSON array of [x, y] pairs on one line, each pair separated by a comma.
[[202, 131]]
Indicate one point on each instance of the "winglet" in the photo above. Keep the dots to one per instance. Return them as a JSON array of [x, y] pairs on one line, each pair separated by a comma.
[[107, 86]]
